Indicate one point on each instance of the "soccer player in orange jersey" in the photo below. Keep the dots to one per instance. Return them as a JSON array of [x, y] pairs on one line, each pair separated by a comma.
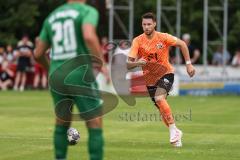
[[150, 51]]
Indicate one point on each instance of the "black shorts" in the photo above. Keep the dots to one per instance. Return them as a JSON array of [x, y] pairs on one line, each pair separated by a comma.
[[165, 82], [23, 64]]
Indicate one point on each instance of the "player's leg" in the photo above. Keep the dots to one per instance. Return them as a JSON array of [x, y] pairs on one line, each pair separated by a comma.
[[60, 131], [164, 108], [94, 126], [152, 91], [175, 133], [60, 139], [161, 93], [95, 139]]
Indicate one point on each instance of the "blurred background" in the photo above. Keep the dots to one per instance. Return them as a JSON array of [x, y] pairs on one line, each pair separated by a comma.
[[210, 28]]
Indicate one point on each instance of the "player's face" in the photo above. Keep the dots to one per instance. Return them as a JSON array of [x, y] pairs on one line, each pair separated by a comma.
[[148, 26]]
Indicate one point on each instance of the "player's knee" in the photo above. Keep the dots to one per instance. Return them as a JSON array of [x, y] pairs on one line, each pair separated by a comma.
[[62, 122], [94, 123], [159, 98]]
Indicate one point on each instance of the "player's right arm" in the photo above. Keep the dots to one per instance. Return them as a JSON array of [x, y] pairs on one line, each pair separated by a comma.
[[91, 39], [133, 60], [90, 36], [42, 45]]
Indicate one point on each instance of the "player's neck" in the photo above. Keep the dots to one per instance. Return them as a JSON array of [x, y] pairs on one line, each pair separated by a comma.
[[76, 1], [150, 36]]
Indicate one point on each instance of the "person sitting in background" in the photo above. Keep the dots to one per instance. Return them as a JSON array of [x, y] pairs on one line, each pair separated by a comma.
[[6, 76], [236, 59], [218, 57], [193, 51]]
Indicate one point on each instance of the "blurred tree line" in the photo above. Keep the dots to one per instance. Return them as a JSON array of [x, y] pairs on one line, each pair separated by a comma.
[[18, 17]]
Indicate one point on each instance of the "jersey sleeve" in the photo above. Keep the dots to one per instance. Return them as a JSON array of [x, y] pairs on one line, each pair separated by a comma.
[[91, 17], [44, 34], [134, 49], [170, 40]]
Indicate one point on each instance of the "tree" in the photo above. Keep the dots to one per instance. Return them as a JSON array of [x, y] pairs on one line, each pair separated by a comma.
[[23, 17]]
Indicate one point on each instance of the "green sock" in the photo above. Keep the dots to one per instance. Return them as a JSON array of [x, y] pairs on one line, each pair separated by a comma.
[[95, 143], [60, 141]]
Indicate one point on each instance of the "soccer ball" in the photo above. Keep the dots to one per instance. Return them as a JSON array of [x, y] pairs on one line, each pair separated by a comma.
[[73, 136]]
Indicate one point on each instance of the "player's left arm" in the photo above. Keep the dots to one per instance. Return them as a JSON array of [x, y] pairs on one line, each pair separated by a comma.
[[39, 53], [185, 52]]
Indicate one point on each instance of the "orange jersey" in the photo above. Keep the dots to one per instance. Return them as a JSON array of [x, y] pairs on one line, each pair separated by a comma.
[[156, 52]]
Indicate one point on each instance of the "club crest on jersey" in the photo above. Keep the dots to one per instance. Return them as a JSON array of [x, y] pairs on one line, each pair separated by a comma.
[[159, 46]]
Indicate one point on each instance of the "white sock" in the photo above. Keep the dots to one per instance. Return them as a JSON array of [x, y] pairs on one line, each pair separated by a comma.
[[15, 87], [21, 88], [172, 127]]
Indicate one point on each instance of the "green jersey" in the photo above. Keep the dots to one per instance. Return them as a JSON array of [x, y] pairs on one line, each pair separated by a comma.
[[62, 30], [71, 74]]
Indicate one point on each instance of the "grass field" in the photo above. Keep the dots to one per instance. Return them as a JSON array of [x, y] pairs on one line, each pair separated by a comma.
[[210, 124]]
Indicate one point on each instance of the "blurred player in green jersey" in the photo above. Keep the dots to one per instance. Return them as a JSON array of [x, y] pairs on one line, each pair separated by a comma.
[[70, 31]]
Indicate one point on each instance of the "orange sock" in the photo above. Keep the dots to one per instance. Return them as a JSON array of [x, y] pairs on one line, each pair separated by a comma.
[[165, 111], [163, 118]]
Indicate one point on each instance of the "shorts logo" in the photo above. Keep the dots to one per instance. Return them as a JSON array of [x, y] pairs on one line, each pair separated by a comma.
[[166, 80], [159, 46]]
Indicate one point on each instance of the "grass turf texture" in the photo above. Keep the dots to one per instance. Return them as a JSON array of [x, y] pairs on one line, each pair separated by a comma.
[[211, 132]]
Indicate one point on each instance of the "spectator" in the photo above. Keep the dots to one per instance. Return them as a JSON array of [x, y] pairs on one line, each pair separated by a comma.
[[193, 51], [236, 58], [24, 54], [173, 59], [218, 57], [121, 52], [10, 54], [40, 73], [2, 55], [6, 76], [104, 44]]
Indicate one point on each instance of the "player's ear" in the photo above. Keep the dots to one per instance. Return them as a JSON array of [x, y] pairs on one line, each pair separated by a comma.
[[155, 24]]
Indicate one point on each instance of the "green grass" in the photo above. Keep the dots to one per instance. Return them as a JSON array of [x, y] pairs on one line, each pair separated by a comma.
[[212, 132]]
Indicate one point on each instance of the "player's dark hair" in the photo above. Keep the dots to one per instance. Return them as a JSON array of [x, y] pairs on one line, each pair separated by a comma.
[[238, 49], [149, 15]]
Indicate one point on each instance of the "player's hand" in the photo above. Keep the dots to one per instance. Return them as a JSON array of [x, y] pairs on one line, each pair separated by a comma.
[[190, 70], [16, 54], [141, 62], [105, 72]]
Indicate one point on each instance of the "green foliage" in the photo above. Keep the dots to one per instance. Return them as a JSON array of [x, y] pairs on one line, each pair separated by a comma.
[[16, 18], [22, 17], [19, 17]]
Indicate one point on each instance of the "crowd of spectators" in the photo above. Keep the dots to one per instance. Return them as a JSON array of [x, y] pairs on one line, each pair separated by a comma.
[[216, 58], [19, 71]]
